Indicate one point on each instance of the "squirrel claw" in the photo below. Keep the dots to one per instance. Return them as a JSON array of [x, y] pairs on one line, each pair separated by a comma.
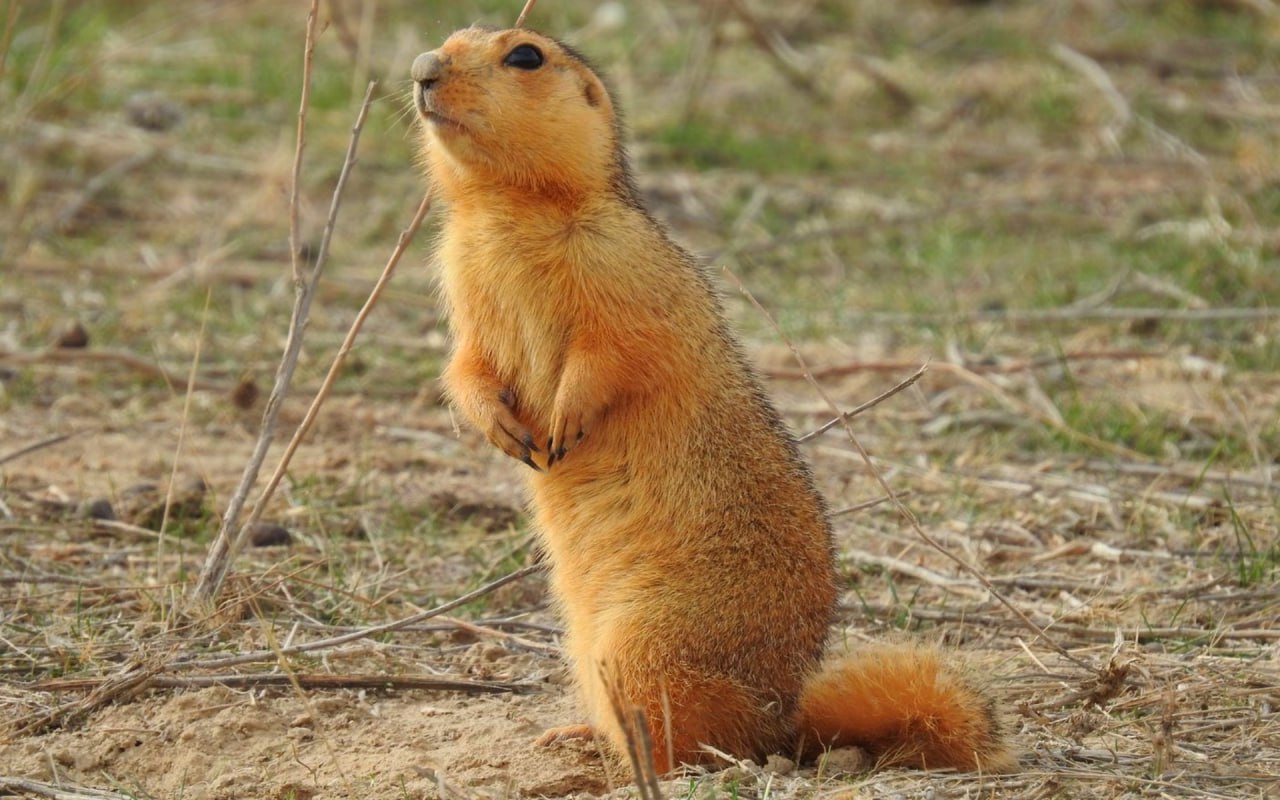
[[529, 463]]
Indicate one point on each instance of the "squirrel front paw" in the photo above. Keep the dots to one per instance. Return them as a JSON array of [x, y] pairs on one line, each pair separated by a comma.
[[505, 432], [566, 432], [571, 419]]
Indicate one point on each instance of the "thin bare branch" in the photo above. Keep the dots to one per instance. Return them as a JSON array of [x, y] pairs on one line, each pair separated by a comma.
[[524, 13], [40, 445], [336, 367], [774, 46], [230, 535], [1038, 316], [62, 355], [301, 680], [182, 429], [363, 633], [1025, 365], [866, 504], [60, 792], [872, 403], [219, 557], [295, 185], [93, 187]]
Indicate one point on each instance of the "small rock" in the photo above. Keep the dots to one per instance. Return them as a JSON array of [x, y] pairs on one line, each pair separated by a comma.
[[779, 765], [73, 337], [152, 111], [301, 734], [845, 761], [294, 791], [143, 504], [244, 394], [268, 534], [96, 508], [736, 775]]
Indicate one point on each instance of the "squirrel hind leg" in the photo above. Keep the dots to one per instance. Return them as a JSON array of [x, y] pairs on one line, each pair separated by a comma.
[[685, 710], [563, 733], [906, 707]]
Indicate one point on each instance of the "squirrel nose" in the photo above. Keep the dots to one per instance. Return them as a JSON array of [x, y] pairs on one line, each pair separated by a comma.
[[427, 68]]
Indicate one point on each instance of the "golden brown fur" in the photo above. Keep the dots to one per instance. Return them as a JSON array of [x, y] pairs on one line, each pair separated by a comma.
[[689, 550]]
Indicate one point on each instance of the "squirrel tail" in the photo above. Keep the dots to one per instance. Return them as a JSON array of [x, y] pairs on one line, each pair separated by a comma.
[[905, 706]]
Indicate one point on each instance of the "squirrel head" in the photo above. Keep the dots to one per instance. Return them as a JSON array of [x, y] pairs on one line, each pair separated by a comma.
[[513, 109]]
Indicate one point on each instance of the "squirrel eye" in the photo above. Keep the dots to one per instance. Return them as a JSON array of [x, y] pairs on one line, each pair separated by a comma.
[[524, 56]]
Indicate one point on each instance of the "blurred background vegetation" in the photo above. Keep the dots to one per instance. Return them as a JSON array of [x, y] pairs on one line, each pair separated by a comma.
[[882, 175]]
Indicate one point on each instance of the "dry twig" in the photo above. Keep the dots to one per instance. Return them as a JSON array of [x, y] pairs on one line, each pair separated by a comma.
[[338, 360], [230, 534], [299, 679], [219, 557], [524, 13], [873, 402], [60, 355], [778, 50], [635, 729], [40, 445], [362, 633], [1024, 365], [57, 792]]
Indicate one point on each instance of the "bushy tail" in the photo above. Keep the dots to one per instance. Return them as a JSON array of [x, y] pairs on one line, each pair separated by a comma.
[[906, 707]]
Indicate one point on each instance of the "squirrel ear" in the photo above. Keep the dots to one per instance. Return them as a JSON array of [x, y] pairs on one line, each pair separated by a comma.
[[593, 92]]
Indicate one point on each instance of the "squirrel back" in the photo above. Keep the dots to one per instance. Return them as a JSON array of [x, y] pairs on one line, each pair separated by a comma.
[[689, 550]]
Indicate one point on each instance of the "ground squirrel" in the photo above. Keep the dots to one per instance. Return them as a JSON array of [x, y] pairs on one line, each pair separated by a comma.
[[689, 551]]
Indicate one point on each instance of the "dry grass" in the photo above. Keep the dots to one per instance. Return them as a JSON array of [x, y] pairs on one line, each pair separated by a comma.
[[1068, 210]]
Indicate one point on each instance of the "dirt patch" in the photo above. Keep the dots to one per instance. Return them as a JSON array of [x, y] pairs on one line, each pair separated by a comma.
[[219, 744]]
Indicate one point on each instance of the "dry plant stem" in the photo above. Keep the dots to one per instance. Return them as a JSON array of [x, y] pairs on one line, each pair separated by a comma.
[[1081, 634], [635, 729], [1090, 69], [1037, 316], [58, 355], [1021, 408], [510, 639], [40, 445], [125, 682], [1123, 113], [300, 680], [10, 23], [219, 557], [39, 71], [335, 368], [182, 432], [230, 535], [865, 504], [873, 402], [61, 792], [363, 633], [888, 490], [1026, 365], [524, 13], [1197, 476], [93, 188], [770, 42], [304, 103]]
